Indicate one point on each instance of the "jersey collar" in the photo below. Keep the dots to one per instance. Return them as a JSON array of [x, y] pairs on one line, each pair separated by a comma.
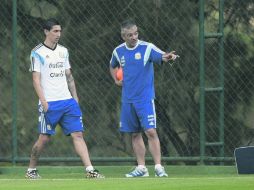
[[133, 47], [50, 47]]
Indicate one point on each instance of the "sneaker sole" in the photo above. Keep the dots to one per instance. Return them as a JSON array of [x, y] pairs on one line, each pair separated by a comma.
[[161, 176], [127, 175]]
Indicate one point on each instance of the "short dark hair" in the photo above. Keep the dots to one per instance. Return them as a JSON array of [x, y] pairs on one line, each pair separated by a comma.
[[49, 23], [128, 23]]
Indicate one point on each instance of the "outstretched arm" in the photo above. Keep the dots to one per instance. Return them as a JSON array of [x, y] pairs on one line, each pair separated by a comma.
[[71, 84]]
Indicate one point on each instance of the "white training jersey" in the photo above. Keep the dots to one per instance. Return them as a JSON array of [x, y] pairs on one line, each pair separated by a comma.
[[51, 63]]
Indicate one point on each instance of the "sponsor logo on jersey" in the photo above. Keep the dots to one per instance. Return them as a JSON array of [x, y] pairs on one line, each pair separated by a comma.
[[56, 65], [61, 74], [58, 68]]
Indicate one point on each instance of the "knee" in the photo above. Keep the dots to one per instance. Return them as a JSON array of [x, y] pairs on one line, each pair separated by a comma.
[[44, 139], [77, 136], [151, 134], [135, 136]]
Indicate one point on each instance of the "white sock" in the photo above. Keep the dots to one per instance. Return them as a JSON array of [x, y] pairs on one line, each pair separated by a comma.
[[141, 166], [31, 169], [89, 168], [157, 166]]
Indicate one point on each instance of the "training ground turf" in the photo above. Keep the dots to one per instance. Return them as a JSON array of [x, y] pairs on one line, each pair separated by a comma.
[[180, 178]]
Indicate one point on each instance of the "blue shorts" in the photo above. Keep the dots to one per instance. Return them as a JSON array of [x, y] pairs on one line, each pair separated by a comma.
[[137, 117], [66, 113]]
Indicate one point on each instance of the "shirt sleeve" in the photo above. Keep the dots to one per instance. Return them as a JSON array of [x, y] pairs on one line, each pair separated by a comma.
[[114, 62], [67, 62], [156, 54], [36, 62]]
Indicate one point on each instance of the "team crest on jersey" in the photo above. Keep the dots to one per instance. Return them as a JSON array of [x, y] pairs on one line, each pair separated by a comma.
[[138, 56], [61, 54], [122, 61]]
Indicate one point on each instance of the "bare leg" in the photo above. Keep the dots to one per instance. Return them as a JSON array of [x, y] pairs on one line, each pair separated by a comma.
[[81, 148], [154, 145], [139, 148], [37, 149]]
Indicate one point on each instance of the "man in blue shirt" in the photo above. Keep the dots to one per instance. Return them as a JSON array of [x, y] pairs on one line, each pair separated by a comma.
[[136, 58]]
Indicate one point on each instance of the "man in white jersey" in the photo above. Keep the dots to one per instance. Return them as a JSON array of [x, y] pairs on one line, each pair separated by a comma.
[[136, 58], [58, 100]]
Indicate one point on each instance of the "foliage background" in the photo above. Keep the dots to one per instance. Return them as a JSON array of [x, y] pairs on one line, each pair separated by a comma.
[[91, 32]]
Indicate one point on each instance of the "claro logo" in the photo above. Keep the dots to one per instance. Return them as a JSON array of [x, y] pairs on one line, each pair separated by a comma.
[[57, 68], [61, 74]]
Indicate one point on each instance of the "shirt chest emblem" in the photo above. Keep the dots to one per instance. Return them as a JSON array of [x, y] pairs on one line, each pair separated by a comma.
[[61, 54], [137, 55]]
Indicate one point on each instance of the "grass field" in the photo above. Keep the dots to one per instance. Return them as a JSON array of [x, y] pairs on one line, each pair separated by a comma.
[[180, 178]]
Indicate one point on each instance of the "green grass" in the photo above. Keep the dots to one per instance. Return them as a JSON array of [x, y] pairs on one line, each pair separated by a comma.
[[180, 178]]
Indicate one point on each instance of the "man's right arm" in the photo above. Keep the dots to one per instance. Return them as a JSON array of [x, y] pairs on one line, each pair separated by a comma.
[[38, 89]]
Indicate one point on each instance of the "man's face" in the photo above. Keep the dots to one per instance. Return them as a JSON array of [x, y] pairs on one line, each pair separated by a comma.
[[54, 34], [130, 36]]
